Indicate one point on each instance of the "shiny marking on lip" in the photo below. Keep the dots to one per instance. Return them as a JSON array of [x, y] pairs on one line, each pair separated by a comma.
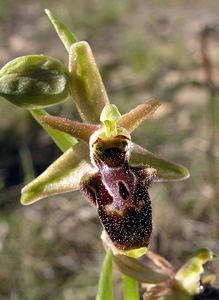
[[128, 223], [123, 191]]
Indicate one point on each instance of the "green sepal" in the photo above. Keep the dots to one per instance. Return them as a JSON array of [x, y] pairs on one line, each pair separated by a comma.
[[64, 33], [87, 87], [34, 81], [140, 270], [64, 175], [166, 171]]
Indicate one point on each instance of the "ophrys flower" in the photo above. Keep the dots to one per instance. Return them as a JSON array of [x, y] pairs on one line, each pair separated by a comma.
[[113, 173]]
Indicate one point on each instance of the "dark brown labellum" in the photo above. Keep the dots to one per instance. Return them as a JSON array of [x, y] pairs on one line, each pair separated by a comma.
[[120, 194]]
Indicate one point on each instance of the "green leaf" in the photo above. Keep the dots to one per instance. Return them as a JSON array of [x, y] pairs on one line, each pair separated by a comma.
[[130, 288], [105, 286], [64, 33], [87, 87], [62, 140], [34, 81], [166, 171], [64, 175]]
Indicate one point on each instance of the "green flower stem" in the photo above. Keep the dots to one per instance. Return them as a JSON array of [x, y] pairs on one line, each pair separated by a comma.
[[105, 286], [62, 140], [130, 288], [27, 163]]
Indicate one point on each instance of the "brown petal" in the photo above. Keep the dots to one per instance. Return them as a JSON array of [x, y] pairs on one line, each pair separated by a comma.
[[76, 129], [136, 116]]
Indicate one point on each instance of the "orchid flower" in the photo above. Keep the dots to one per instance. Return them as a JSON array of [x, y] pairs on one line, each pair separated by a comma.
[[99, 156]]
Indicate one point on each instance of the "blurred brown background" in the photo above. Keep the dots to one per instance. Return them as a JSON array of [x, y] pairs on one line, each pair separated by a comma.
[[145, 49]]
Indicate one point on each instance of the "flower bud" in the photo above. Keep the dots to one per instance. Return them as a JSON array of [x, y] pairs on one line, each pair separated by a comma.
[[189, 274], [34, 81]]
